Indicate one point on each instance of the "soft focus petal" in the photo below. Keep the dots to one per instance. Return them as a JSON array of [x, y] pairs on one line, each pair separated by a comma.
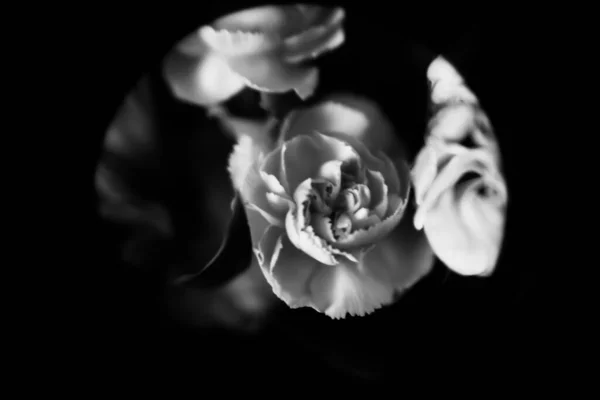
[[268, 73], [317, 39], [465, 230], [447, 84], [192, 45], [246, 179], [202, 80], [306, 154], [402, 258], [235, 43], [291, 273], [476, 161], [346, 289], [452, 123], [424, 172], [375, 233]]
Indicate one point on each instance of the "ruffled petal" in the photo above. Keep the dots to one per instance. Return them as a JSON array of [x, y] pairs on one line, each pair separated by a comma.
[[344, 289], [204, 80], [322, 227], [268, 73], [305, 155], [349, 125], [465, 229], [235, 43], [291, 273], [373, 234], [302, 234], [272, 20]]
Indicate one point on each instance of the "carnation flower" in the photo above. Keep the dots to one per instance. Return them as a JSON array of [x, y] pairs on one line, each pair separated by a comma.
[[325, 206], [265, 48]]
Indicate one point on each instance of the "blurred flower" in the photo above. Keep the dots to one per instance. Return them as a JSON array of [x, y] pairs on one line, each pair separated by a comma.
[[264, 48], [324, 205], [459, 187]]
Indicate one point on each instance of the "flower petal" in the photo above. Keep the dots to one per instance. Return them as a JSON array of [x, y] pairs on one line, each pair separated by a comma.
[[379, 193], [246, 179], [343, 289], [349, 125], [465, 229], [322, 227], [453, 122], [268, 73], [402, 258], [331, 172], [447, 84], [290, 274], [317, 39], [274, 165], [273, 184], [272, 20], [201, 80], [300, 233], [235, 43], [281, 204], [192, 45], [306, 154], [375, 233], [269, 246], [424, 172], [478, 161]]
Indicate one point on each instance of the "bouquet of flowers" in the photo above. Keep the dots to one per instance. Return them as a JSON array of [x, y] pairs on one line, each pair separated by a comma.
[[330, 210]]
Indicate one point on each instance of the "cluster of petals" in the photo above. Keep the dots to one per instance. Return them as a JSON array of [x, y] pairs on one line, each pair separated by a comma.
[[326, 211], [459, 187], [267, 48]]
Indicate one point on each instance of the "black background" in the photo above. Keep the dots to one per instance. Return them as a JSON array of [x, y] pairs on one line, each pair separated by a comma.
[[461, 327]]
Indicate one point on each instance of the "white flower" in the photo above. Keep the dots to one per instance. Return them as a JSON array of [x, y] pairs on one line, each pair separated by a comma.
[[459, 188], [264, 48], [325, 207]]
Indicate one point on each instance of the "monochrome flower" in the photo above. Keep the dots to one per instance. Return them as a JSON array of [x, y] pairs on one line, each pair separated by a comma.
[[459, 187], [264, 48], [325, 209]]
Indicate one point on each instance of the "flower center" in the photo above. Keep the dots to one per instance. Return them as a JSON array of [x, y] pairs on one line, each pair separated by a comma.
[[345, 210]]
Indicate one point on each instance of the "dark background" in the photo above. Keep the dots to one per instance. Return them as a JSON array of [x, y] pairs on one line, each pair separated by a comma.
[[447, 326]]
